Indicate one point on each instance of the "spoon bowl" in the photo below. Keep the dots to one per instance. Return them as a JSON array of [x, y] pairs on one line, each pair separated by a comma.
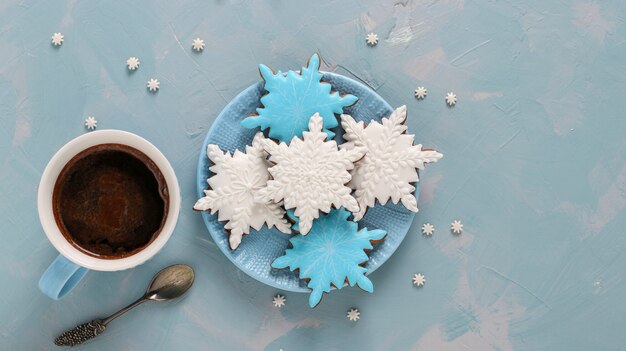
[[170, 283]]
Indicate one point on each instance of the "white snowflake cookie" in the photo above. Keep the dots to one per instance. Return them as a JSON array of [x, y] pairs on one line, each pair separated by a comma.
[[310, 175], [237, 180], [390, 164]]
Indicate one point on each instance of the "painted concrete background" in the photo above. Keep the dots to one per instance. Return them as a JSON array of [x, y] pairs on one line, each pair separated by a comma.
[[534, 166]]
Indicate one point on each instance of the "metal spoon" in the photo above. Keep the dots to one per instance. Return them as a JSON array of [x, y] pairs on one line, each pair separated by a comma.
[[168, 284]]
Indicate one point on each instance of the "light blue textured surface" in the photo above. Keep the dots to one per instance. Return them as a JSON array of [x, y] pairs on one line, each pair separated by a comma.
[[534, 166], [260, 248]]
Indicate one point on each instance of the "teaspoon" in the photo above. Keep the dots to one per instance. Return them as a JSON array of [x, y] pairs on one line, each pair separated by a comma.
[[168, 284]]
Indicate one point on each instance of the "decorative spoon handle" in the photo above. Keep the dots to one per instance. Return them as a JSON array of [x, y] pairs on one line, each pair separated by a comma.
[[90, 330], [81, 333], [168, 284]]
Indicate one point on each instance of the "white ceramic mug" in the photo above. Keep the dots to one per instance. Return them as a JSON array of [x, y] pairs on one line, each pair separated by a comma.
[[72, 264]]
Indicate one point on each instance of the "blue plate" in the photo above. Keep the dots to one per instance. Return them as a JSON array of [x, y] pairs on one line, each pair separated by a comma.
[[258, 249]]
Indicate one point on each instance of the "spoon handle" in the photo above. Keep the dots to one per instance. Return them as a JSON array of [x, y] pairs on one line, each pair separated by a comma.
[[134, 304], [90, 330], [80, 333]]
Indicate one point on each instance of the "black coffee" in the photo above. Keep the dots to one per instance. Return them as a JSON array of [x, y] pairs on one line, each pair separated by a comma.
[[110, 201]]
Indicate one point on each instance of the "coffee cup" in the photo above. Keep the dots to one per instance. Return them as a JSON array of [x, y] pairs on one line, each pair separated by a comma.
[[77, 256]]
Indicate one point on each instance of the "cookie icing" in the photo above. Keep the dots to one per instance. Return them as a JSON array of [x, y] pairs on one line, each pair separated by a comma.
[[293, 98], [331, 254], [390, 163], [310, 174], [238, 178]]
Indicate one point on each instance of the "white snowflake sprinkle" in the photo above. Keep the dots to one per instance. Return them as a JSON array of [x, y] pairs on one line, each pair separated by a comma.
[[451, 99], [420, 93], [456, 227], [198, 44], [91, 123], [354, 314], [428, 229], [310, 175], [153, 85], [57, 39], [372, 39], [279, 301], [419, 279], [132, 63]]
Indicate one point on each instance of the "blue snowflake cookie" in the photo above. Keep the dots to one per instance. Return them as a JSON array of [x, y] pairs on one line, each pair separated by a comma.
[[293, 98], [331, 254]]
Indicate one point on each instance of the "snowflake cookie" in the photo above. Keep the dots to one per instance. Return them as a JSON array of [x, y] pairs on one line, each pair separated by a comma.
[[293, 98], [331, 254], [238, 178], [390, 163], [310, 174]]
